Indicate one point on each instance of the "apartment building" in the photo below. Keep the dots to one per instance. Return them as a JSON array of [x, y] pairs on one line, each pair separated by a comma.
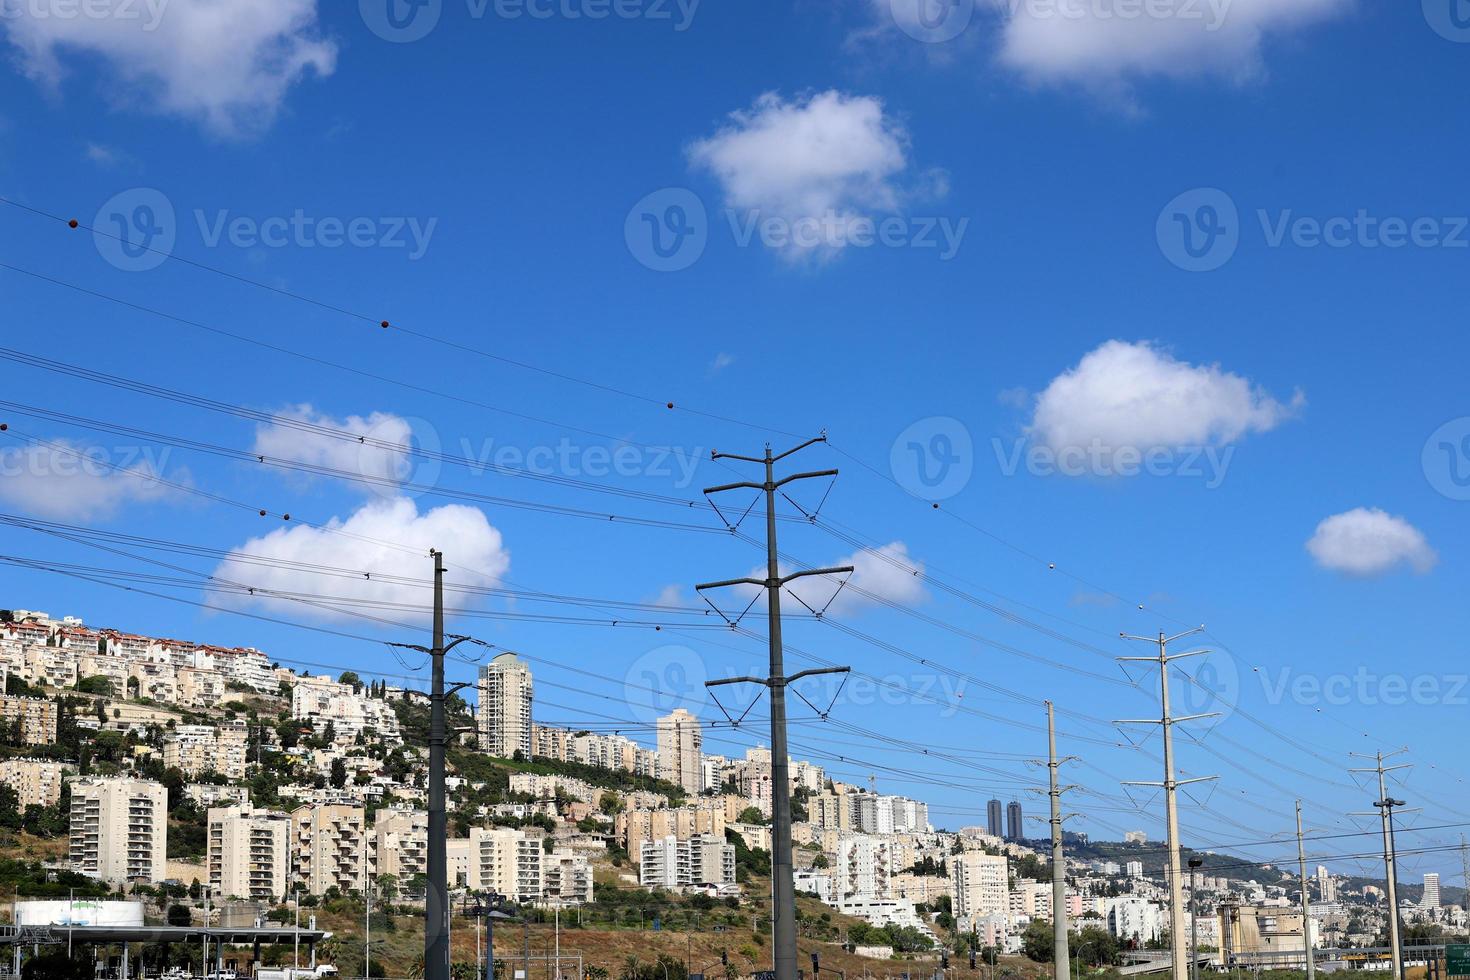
[[504, 709], [637, 826], [566, 878], [401, 843], [674, 864], [198, 749], [329, 847], [36, 782], [249, 852], [51, 666], [323, 701], [119, 828], [507, 862], [679, 742], [865, 866], [200, 687], [981, 885], [34, 719]]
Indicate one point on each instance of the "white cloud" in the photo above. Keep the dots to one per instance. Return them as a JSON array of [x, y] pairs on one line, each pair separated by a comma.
[[384, 536], [722, 360], [1367, 541], [1137, 397], [1109, 43], [883, 572], [226, 63], [376, 459], [69, 481], [821, 166]]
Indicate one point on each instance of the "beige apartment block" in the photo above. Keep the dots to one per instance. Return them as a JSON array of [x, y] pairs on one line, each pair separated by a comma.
[[119, 828], [36, 718], [36, 782], [401, 843], [329, 847], [249, 853]]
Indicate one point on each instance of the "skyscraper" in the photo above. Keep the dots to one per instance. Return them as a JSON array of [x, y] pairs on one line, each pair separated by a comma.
[[993, 819], [1014, 828], [504, 712], [679, 741], [1431, 890]]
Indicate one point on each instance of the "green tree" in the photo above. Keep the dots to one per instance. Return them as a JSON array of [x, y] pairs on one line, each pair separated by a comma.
[[1037, 942]]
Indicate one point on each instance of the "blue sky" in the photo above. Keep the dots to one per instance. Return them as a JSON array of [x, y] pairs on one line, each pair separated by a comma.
[[965, 241]]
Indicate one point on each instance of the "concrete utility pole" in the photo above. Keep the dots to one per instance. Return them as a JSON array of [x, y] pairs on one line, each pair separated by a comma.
[[1301, 858], [1062, 957], [1385, 805], [783, 891], [1175, 872]]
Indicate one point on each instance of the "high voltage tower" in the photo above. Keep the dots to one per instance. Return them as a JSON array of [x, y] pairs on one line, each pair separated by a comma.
[[1170, 785], [783, 889], [1061, 954], [1385, 805], [436, 901]]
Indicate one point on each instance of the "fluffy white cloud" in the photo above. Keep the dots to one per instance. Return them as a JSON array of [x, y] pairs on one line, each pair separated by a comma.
[[820, 165], [384, 536], [226, 63], [1137, 397], [69, 481], [377, 458], [1108, 43], [1367, 541]]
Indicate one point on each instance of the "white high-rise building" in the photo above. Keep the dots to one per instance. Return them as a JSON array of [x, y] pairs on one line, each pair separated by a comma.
[[119, 829], [981, 885], [504, 711], [507, 862], [679, 742], [1431, 890]]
